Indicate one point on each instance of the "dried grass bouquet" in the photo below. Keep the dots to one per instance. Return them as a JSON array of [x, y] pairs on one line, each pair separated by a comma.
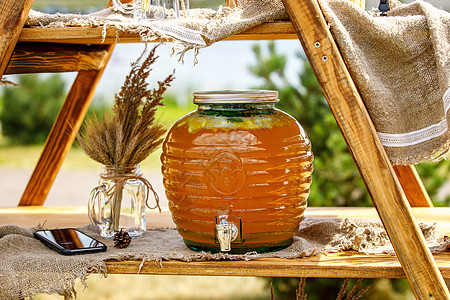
[[124, 138], [130, 134]]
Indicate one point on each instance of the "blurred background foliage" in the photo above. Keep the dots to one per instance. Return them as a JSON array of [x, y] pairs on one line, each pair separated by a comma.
[[29, 112]]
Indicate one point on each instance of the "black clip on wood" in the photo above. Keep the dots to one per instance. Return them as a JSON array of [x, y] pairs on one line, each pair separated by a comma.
[[384, 7]]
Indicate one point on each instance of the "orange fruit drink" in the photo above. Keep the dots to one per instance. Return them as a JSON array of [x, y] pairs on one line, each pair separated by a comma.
[[238, 160]]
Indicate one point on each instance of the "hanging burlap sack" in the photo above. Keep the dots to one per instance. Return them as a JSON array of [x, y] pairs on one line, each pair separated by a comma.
[[401, 66]]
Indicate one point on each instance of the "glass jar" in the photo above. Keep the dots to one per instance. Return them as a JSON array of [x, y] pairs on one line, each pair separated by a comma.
[[118, 202], [180, 8], [237, 173], [143, 9], [154, 9]]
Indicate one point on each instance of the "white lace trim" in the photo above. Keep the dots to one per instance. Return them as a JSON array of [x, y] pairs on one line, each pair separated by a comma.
[[178, 32], [418, 136]]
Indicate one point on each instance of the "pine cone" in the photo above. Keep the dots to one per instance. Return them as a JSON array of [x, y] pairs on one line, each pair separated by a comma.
[[122, 239]]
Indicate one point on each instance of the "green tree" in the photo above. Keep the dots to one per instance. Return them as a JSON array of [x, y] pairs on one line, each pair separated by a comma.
[[336, 180], [434, 175], [29, 111]]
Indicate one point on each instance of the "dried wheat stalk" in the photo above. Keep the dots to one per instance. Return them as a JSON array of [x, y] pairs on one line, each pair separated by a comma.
[[4, 82], [301, 294], [131, 133], [351, 294]]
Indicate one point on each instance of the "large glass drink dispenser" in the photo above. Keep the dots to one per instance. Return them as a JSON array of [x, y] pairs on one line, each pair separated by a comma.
[[237, 173]]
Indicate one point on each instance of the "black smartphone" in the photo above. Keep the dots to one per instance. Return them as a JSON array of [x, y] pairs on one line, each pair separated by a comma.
[[69, 241]]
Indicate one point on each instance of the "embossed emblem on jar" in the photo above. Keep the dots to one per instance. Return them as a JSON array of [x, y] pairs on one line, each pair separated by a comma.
[[225, 173]]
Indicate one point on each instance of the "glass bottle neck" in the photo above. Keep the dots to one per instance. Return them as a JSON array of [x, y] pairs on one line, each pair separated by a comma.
[[113, 171], [235, 108]]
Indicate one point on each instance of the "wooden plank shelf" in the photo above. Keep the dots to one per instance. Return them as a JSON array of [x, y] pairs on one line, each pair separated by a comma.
[[69, 49], [43, 58], [335, 265], [347, 264], [93, 35]]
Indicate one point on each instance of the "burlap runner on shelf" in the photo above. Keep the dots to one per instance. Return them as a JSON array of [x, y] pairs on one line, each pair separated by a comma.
[[28, 267]]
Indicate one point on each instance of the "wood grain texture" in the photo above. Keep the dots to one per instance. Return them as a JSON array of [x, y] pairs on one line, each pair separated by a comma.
[[83, 35], [110, 3], [334, 265], [231, 3], [412, 186], [13, 14], [278, 30], [50, 58], [62, 135], [339, 265], [366, 148]]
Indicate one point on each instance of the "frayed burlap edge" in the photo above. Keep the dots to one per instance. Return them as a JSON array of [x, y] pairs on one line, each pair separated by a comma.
[[7, 83], [25, 283], [203, 27]]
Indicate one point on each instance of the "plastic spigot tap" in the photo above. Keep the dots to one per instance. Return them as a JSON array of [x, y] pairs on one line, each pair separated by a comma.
[[226, 233]]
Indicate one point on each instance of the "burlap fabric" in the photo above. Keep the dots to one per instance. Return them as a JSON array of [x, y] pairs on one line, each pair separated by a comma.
[[28, 267], [201, 29], [401, 66]]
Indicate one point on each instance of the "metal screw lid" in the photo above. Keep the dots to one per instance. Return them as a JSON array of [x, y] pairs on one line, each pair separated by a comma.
[[236, 96]]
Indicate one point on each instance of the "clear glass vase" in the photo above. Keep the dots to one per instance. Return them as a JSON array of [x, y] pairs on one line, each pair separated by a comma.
[[180, 8], [143, 9], [119, 201]]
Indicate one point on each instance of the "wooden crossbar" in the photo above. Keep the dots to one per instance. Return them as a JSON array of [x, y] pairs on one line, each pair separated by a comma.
[[13, 14], [52, 58], [62, 135], [68, 122]]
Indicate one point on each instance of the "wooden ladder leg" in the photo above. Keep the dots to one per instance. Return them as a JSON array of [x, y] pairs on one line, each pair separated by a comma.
[[13, 14], [376, 170], [412, 185], [62, 135]]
